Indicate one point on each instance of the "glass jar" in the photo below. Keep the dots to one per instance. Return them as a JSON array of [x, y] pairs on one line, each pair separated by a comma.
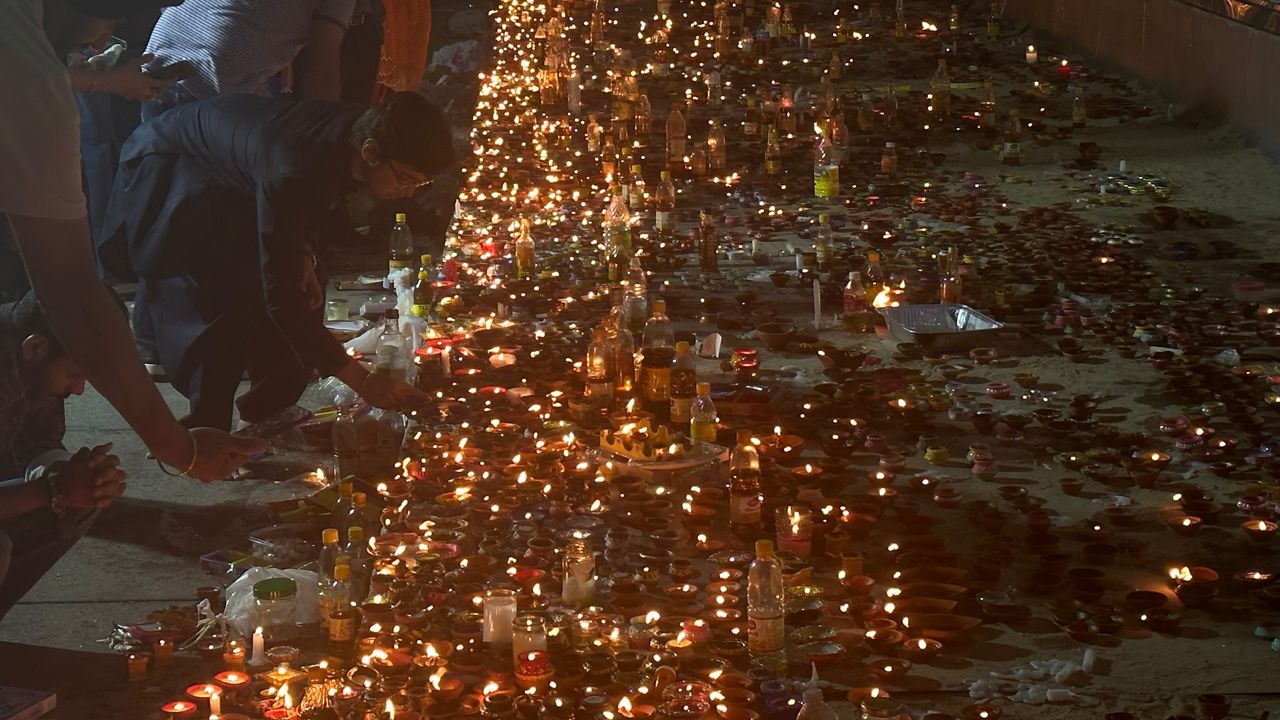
[[528, 633], [276, 602]]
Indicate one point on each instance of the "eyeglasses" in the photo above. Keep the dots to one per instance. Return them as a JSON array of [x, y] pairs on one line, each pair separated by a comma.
[[407, 183]]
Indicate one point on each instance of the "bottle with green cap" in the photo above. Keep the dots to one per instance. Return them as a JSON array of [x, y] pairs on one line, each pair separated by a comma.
[[401, 244], [684, 385], [702, 422], [329, 551], [766, 621]]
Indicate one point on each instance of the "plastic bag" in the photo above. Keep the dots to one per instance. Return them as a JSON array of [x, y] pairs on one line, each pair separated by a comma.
[[241, 613]]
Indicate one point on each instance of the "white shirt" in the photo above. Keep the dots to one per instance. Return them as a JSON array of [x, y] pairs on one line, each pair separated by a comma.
[[39, 124]]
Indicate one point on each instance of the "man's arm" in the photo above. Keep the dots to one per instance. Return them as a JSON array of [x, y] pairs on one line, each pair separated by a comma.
[[88, 322], [317, 69]]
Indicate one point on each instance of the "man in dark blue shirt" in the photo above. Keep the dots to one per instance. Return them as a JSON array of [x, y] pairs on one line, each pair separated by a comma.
[[220, 207]]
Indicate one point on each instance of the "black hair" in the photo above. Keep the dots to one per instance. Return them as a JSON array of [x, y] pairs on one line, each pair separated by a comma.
[[409, 129], [21, 319]]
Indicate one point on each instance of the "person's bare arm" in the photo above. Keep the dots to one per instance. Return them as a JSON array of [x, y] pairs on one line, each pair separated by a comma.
[[88, 322], [317, 69]]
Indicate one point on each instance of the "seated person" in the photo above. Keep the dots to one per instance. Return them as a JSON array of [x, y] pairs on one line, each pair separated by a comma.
[[220, 208], [48, 497]]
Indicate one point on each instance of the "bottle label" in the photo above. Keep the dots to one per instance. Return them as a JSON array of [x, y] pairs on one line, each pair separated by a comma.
[[772, 166], [744, 509], [422, 311], [342, 627], [702, 431], [750, 128], [681, 410], [662, 220], [656, 383], [854, 302], [826, 181], [766, 634], [599, 390]]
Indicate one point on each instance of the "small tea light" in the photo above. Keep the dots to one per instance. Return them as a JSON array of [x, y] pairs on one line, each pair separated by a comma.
[[794, 524], [1032, 55], [1186, 525], [137, 667], [807, 472], [163, 651], [1260, 530]]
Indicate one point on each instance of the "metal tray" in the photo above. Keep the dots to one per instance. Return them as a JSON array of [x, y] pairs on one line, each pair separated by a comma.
[[939, 327]]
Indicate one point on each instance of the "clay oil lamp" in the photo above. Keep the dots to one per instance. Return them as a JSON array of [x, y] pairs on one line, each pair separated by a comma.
[[1259, 530], [1186, 525], [920, 649], [1253, 579], [890, 669]]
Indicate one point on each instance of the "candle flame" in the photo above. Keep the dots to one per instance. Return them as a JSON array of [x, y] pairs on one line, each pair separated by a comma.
[[489, 689]]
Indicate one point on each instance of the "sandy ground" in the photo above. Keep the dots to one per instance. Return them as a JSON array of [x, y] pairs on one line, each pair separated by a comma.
[[123, 570]]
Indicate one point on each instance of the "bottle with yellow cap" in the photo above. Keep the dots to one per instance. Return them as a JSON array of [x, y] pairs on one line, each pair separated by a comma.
[[401, 243], [329, 551], [334, 593], [702, 422], [684, 385], [874, 278], [766, 619], [359, 516], [424, 291]]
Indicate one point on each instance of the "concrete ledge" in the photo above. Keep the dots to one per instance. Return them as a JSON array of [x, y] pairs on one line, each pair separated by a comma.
[[1193, 56]]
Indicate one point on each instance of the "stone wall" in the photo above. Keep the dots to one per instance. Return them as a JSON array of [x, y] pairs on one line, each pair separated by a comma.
[[1196, 57]]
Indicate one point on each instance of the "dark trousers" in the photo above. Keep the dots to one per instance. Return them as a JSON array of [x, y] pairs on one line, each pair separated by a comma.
[[207, 340], [106, 121], [31, 544], [361, 52]]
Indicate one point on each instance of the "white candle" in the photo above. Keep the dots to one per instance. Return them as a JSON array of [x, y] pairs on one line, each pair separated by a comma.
[[259, 656], [499, 613], [817, 304], [215, 701], [446, 366], [1032, 55]]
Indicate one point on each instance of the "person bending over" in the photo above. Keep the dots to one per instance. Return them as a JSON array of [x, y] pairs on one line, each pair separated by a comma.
[[48, 496], [220, 207]]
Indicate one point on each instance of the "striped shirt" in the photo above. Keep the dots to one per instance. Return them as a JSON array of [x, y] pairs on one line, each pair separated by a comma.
[[236, 46]]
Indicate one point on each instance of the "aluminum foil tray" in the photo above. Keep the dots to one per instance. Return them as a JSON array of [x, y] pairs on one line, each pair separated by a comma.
[[939, 327]]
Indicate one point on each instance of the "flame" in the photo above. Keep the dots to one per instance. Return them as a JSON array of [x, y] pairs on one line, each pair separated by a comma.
[[489, 689], [435, 679], [652, 617], [1182, 574], [884, 298], [431, 651], [624, 706], [390, 709]]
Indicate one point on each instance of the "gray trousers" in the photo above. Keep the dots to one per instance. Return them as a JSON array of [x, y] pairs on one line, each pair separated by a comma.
[[31, 544]]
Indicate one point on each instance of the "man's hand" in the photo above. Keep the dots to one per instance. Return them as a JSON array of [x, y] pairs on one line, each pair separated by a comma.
[[388, 393], [219, 454], [312, 290], [127, 80], [90, 479]]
